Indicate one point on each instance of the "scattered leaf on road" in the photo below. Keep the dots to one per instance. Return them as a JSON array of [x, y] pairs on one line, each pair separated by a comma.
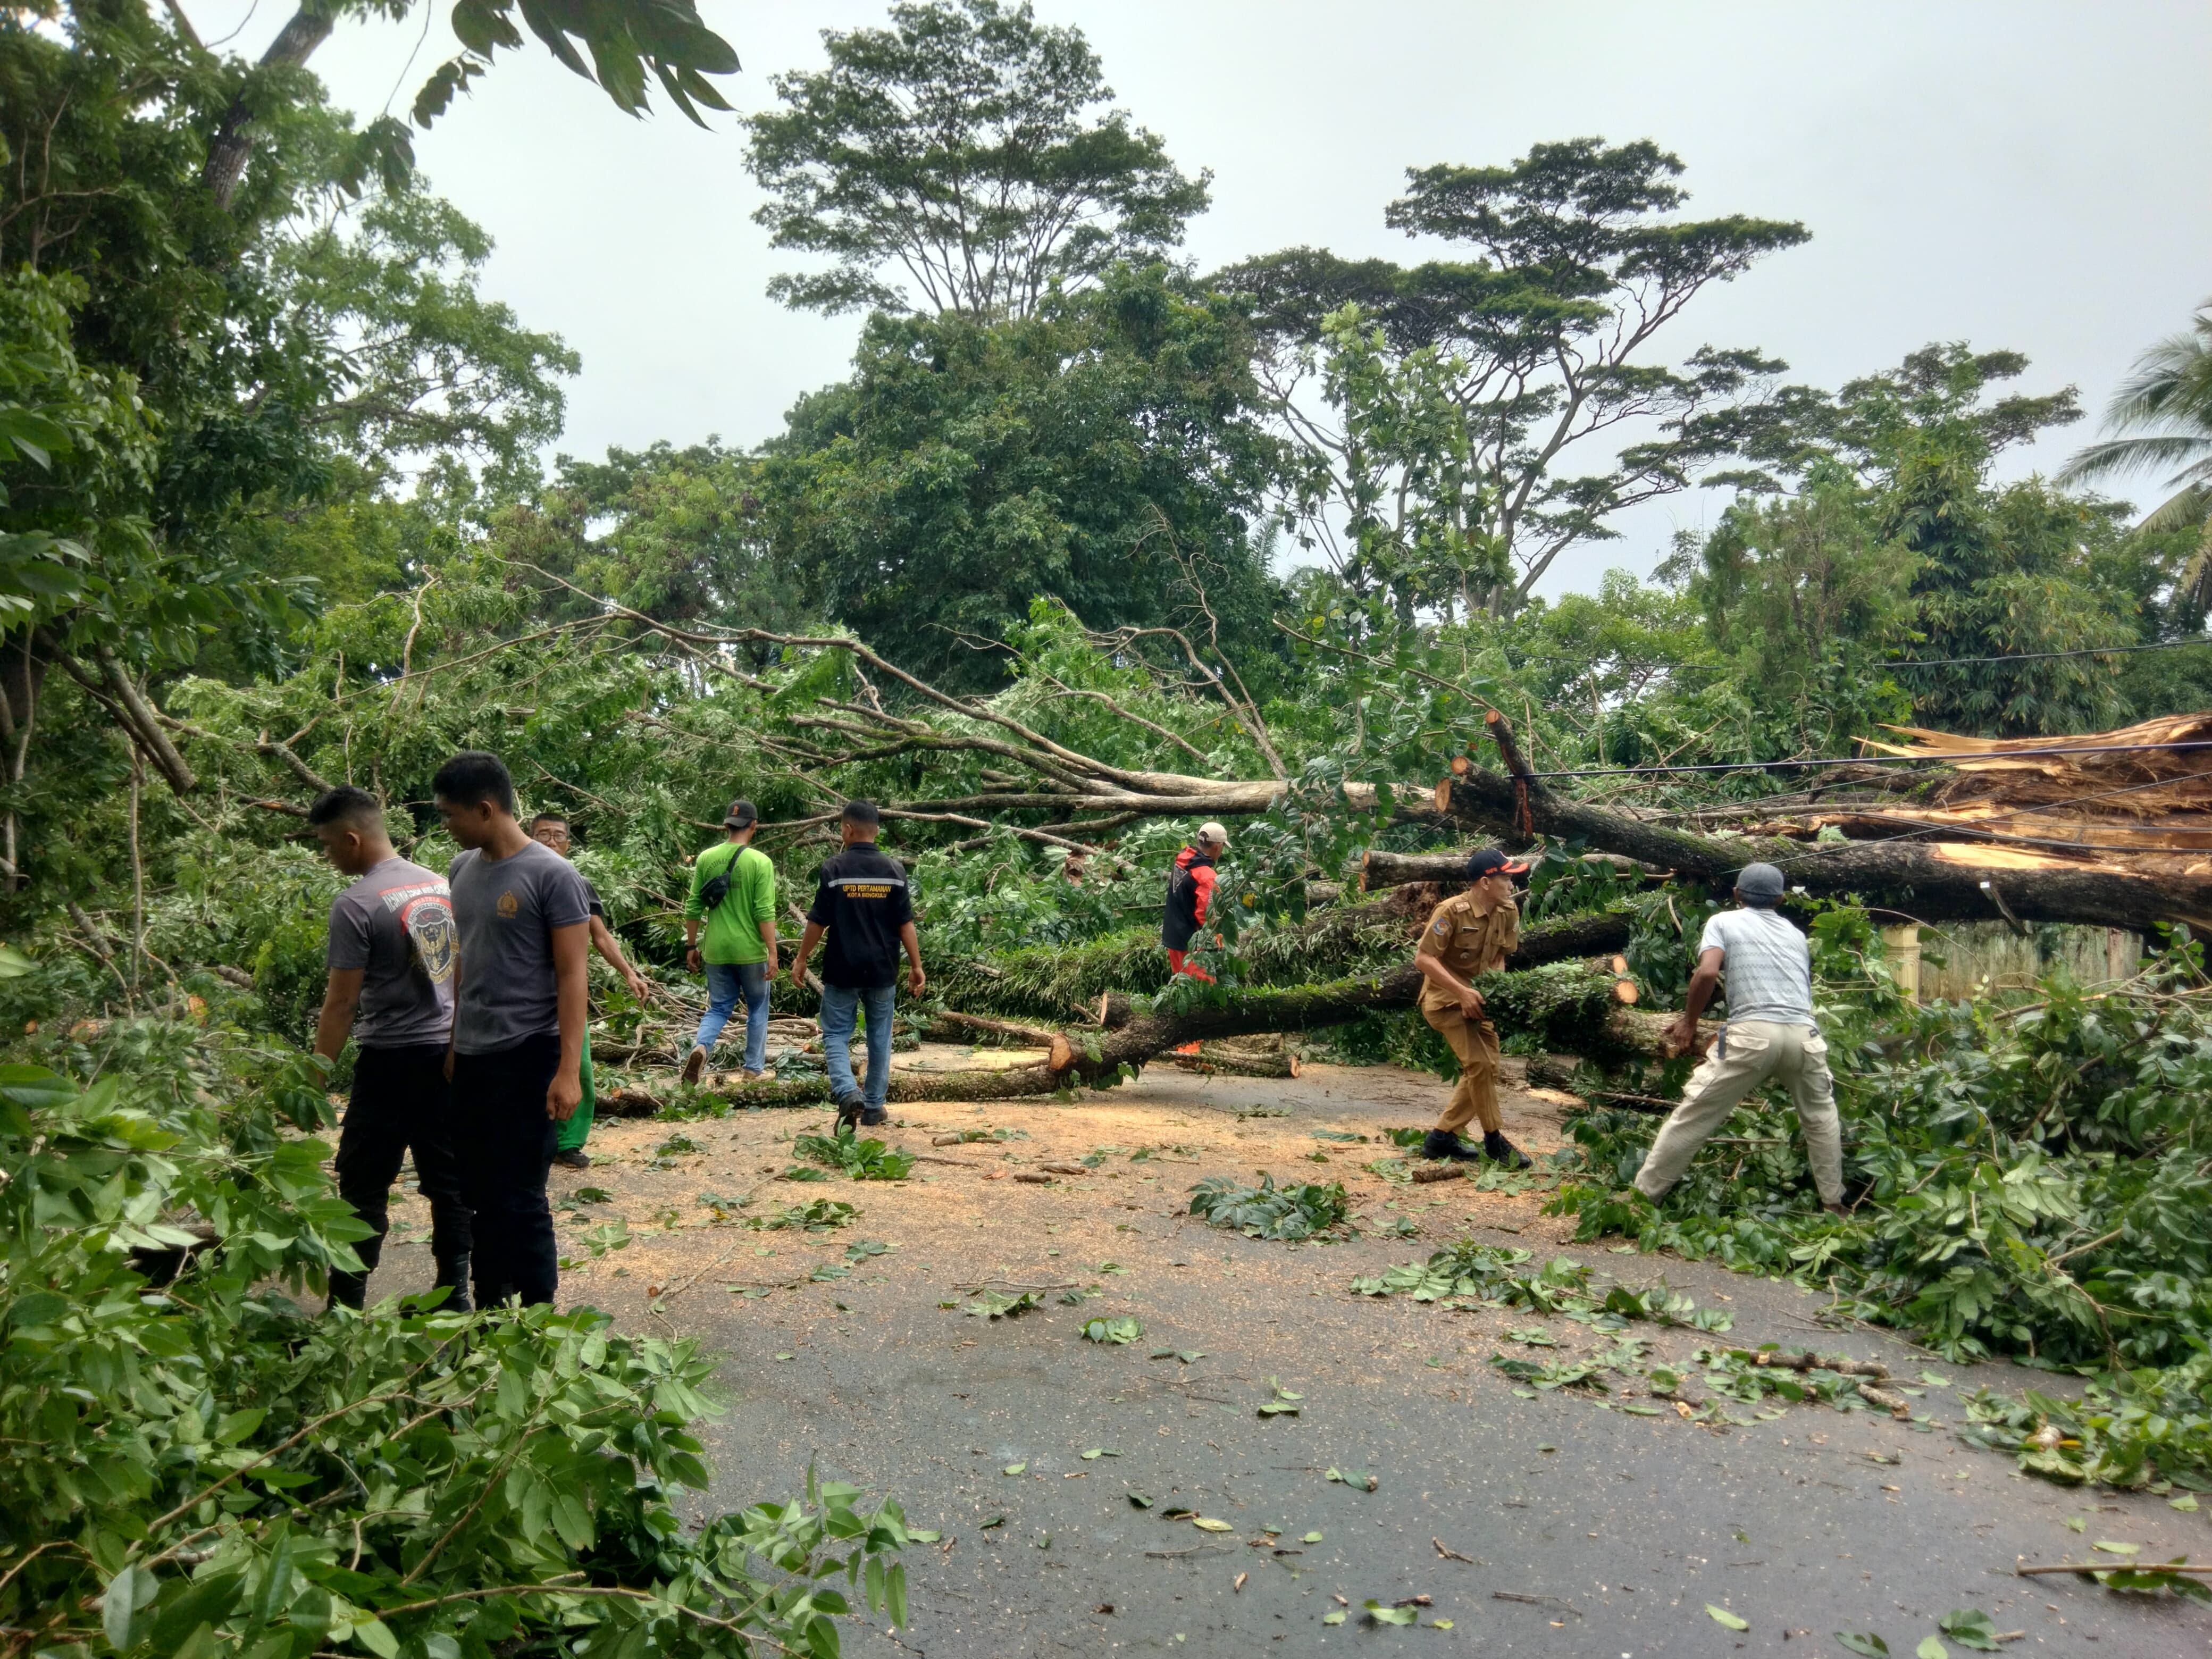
[[1311, 1538], [1869, 1644], [1207, 1524], [1013, 1468], [1723, 1617]]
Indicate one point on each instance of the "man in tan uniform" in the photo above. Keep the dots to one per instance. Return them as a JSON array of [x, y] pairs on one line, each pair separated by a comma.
[[1469, 936]]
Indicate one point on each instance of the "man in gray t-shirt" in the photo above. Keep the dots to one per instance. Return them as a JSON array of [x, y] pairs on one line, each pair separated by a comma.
[[507, 910], [522, 913], [390, 989], [396, 926], [1770, 1037]]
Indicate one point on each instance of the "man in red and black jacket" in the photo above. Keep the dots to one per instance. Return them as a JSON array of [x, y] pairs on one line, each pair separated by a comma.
[[1190, 896]]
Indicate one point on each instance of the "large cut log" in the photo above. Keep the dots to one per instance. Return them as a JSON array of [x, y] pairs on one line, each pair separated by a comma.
[[1927, 881]]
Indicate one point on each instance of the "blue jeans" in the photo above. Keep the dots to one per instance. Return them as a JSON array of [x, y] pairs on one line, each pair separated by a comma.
[[725, 983], [838, 1006]]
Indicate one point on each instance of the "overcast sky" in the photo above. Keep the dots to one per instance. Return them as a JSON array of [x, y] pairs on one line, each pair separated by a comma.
[[2007, 173]]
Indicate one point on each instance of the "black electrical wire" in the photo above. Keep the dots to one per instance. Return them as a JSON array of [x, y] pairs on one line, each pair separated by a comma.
[[1922, 662]]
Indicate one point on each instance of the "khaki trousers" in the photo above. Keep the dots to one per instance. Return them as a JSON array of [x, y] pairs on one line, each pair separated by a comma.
[[1750, 1054], [1475, 1043]]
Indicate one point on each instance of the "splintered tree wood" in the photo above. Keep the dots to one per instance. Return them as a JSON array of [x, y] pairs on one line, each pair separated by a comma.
[[1929, 881]]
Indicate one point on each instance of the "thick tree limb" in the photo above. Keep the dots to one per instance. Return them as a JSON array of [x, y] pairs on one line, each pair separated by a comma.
[[233, 143], [1929, 881]]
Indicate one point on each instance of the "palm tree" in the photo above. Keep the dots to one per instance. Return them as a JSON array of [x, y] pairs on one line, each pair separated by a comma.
[[2165, 408]]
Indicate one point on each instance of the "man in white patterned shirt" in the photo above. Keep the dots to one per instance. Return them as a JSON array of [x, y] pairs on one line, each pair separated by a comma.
[[1769, 1037]]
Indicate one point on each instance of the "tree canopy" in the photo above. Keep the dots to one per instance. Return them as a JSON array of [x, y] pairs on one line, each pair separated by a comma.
[[961, 147], [1454, 392]]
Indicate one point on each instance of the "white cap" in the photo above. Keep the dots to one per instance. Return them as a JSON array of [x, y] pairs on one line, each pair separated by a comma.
[[1214, 833]]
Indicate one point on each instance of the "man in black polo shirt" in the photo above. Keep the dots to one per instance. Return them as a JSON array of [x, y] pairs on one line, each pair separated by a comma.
[[861, 898]]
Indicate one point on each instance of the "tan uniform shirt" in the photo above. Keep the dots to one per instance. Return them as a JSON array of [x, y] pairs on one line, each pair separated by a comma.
[[1468, 940]]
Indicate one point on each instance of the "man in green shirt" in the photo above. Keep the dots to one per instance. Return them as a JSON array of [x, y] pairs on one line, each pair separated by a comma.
[[733, 893]]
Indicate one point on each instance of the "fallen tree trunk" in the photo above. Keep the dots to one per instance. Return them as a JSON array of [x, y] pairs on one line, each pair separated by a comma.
[[1922, 880], [1546, 943], [1379, 869], [1571, 1006]]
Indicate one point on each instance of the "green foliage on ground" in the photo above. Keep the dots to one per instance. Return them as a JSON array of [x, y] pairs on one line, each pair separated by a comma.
[[1298, 1211], [201, 1466], [858, 1158], [2032, 1182]]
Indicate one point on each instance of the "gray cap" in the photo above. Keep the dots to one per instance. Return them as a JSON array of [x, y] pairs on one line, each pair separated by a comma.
[[1759, 884]]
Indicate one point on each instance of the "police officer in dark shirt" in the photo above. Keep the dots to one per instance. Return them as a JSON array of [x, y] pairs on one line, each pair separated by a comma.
[[861, 899]]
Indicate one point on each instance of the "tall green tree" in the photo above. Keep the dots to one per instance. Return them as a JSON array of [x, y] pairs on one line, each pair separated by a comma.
[[1530, 354], [965, 145], [1963, 591], [243, 381], [1109, 451]]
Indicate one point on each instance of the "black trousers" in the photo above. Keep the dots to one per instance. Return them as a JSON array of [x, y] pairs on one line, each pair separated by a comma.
[[399, 1101], [504, 1143]]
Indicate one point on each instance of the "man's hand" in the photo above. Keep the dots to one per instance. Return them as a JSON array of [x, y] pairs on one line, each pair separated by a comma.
[[691, 957], [564, 1097], [1682, 1036], [798, 975], [916, 979], [1470, 1004], [640, 987], [449, 1065]]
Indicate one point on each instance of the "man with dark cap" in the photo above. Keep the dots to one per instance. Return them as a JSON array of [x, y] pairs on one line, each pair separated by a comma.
[[1468, 937], [733, 893], [1769, 1037]]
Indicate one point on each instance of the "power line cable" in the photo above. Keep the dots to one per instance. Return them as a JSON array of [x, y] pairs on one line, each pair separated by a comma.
[[1915, 662]]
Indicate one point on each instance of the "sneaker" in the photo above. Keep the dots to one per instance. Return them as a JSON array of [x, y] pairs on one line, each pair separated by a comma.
[[1499, 1150], [1441, 1143], [695, 1064], [574, 1158], [874, 1117]]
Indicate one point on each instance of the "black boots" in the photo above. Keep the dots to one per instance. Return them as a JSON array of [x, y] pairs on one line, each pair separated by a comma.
[[1441, 1143], [1499, 1150]]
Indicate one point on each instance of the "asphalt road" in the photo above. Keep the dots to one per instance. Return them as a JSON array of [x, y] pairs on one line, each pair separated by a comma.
[[1588, 1530]]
